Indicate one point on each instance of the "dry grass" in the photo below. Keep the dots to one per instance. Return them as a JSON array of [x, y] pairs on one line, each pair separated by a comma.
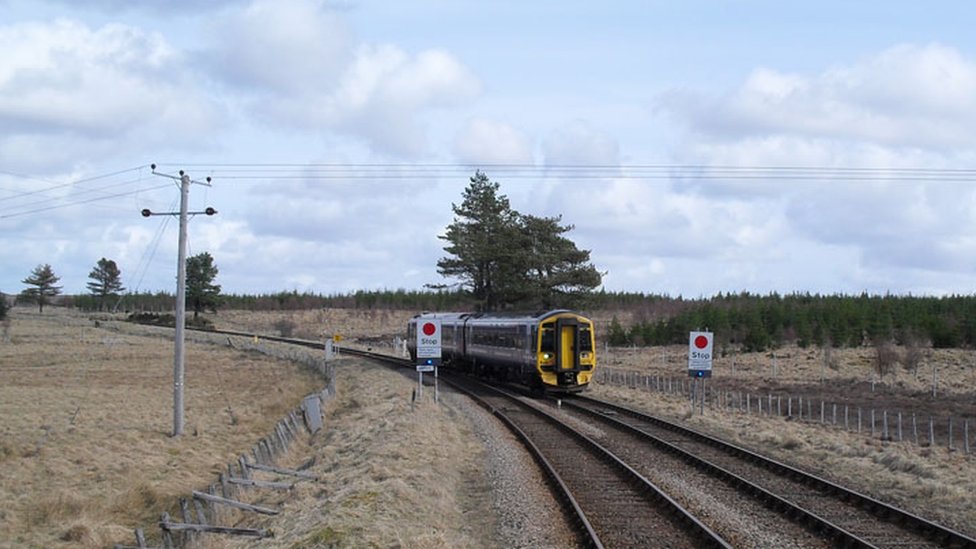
[[86, 417], [392, 475]]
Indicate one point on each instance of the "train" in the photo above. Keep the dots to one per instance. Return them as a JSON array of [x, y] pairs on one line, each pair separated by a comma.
[[552, 351]]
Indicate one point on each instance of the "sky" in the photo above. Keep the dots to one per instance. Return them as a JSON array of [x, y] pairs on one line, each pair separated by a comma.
[[695, 147]]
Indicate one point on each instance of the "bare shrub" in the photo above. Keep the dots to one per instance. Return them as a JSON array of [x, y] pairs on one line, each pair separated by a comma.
[[285, 327], [912, 355], [79, 533], [885, 358], [904, 464]]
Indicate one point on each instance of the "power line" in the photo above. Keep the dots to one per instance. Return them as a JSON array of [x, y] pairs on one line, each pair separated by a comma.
[[56, 186], [88, 201], [76, 195], [676, 172], [379, 171]]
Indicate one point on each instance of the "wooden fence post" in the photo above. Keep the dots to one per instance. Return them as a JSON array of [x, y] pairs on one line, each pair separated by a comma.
[[950, 434], [914, 429], [167, 535], [965, 432]]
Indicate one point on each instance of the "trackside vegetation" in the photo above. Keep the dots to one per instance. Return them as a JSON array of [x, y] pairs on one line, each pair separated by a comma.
[[756, 323], [745, 321]]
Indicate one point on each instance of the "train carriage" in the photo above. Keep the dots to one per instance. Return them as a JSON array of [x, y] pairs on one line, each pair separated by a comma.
[[554, 350]]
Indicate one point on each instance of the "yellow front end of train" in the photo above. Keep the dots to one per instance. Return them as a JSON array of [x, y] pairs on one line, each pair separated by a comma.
[[565, 351]]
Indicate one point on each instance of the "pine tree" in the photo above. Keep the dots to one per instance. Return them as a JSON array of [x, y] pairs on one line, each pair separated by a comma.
[[201, 292], [555, 272], [480, 243], [506, 259], [106, 281], [44, 281]]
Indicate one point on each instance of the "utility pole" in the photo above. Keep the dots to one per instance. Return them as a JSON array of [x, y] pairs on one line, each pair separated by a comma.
[[180, 336]]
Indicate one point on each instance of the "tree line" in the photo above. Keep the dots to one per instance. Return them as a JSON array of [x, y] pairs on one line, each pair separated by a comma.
[[756, 323], [106, 290]]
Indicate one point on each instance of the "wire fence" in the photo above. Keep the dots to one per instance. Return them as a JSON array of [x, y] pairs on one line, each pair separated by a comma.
[[952, 433]]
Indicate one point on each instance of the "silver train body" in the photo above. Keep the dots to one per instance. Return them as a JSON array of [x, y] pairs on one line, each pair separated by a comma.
[[552, 350]]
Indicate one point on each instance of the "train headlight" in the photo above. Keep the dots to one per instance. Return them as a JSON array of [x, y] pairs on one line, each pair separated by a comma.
[[546, 356]]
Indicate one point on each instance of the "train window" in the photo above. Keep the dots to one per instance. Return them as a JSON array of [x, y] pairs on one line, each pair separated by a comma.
[[548, 340], [586, 339]]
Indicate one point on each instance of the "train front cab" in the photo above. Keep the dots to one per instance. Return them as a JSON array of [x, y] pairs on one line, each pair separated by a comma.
[[566, 355]]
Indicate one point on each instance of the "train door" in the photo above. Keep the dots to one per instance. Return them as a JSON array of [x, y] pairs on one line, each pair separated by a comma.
[[567, 346], [567, 351]]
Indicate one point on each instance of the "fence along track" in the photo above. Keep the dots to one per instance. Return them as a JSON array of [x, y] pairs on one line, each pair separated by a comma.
[[921, 428], [869, 522], [230, 488]]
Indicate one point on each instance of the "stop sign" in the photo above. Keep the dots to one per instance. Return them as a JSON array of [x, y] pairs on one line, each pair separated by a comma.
[[429, 338], [700, 353]]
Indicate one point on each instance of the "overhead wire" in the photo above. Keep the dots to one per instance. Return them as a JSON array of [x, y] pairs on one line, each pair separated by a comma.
[[312, 172], [56, 186], [144, 262], [25, 202], [678, 172]]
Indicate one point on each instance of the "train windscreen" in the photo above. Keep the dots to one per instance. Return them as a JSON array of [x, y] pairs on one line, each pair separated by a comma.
[[548, 340], [586, 339]]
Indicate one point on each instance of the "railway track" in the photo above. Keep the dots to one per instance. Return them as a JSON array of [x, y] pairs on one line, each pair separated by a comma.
[[845, 517], [604, 480], [617, 505]]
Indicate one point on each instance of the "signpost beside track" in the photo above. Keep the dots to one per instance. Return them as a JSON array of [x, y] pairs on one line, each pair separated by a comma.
[[428, 352], [700, 346], [700, 354]]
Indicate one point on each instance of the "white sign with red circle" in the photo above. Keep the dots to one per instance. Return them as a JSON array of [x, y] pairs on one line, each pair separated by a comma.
[[700, 351], [429, 338]]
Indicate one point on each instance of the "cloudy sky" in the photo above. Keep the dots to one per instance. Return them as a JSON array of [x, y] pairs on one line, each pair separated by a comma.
[[697, 147]]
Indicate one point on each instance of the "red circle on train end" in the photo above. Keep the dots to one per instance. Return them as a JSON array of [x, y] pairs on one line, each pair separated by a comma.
[[701, 342], [429, 329]]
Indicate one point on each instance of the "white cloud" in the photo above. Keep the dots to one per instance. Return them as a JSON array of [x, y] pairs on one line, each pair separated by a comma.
[[579, 143], [907, 96], [70, 91], [906, 107], [382, 97], [290, 46], [483, 141], [311, 74]]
